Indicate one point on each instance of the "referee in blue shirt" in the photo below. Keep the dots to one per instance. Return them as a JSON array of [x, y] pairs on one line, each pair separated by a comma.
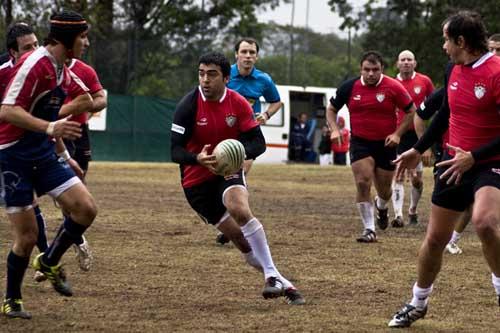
[[252, 83]]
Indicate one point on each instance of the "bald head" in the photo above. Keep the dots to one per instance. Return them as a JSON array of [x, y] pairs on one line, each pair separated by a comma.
[[494, 44], [406, 63]]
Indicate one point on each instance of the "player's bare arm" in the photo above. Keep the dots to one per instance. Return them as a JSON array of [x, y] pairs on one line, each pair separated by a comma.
[[100, 101], [82, 103], [19, 117], [263, 117], [419, 125], [331, 119], [394, 138], [63, 153]]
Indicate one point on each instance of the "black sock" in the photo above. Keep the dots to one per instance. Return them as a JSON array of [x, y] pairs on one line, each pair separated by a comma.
[[78, 241], [69, 234], [16, 267], [41, 242]]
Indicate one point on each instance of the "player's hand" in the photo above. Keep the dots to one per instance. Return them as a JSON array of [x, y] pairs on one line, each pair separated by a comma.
[[392, 140], [261, 118], [335, 136], [76, 168], [427, 158], [457, 166], [207, 160], [64, 129], [406, 161]]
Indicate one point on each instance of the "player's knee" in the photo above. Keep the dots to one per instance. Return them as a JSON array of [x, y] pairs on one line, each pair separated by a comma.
[[240, 214], [487, 225], [363, 185], [86, 210], [436, 241]]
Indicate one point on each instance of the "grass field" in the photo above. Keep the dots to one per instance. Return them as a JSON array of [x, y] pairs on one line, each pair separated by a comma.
[[157, 268]]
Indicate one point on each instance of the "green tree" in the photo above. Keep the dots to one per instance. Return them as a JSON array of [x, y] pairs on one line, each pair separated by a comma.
[[414, 25]]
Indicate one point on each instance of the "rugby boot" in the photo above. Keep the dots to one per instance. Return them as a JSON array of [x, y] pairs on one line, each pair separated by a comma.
[[406, 316], [397, 222], [273, 288], [368, 236], [13, 308], [294, 297], [55, 274]]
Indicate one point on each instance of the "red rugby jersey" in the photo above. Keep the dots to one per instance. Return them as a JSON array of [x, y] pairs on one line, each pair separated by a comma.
[[6, 70], [89, 77], [419, 86], [372, 109], [33, 77], [474, 100], [214, 121]]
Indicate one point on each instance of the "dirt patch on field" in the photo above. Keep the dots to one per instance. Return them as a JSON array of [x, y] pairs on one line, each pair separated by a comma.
[[157, 268]]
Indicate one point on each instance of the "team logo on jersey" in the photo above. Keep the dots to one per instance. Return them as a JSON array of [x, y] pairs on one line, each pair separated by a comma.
[[454, 85], [230, 120], [417, 89], [202, 122], [380, 97], [357, 97], [479, 90]]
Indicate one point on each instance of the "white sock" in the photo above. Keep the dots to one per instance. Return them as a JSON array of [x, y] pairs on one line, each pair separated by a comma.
[[415, 195], [455, 237], [252, 261], [420, 296], [398, 197], [381, 203], [256, 237], [496, 283], [366, 211]]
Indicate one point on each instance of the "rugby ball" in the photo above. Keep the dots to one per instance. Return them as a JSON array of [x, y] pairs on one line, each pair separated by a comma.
[[229, 155]]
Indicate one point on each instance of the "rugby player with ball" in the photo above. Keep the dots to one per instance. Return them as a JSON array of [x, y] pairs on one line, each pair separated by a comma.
[[213, 181]]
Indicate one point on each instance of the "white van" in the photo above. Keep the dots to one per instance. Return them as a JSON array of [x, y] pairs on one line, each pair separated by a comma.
[[311, 100]]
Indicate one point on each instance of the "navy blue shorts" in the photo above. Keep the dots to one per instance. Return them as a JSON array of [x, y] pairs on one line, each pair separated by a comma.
[[383, 156], [21, 178], [459, 197]]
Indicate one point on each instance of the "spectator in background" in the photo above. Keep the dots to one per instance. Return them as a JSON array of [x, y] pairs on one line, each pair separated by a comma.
[[325, 147], [300, 143], [341, 148]]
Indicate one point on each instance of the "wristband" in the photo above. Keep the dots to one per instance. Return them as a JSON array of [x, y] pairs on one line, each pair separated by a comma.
[[50, 128], [64, 155], [267, 115]]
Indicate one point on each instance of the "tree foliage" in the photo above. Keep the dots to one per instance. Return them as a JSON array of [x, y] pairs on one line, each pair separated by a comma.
[[412, 24]]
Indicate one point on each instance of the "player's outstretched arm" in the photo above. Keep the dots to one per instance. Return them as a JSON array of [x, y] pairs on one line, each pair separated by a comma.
[[406, 161], [17, 116]]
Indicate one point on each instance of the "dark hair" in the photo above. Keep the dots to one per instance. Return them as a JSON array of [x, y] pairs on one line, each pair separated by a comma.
[[65, 27], [249, 40], [16, 30], [372, 57], [470, 26], [494, 38], [216, 58]]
